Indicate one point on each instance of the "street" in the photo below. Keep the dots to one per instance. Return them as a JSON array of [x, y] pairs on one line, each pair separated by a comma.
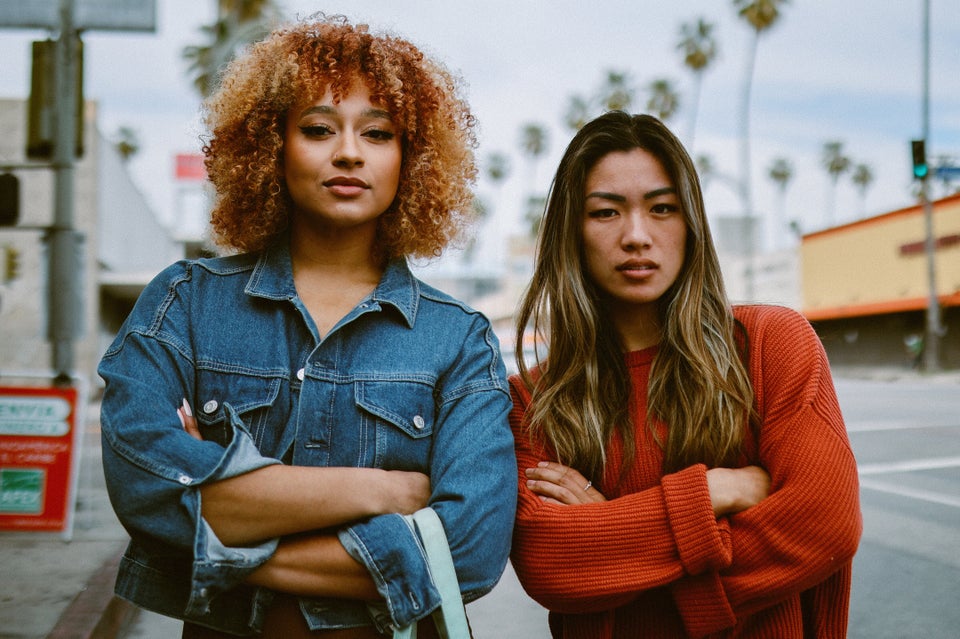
[[906, 435]]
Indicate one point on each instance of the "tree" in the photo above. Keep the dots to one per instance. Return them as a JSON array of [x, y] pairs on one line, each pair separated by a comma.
[[497, 167], [239, 23], [663, 101], [127, 143], [836, 164], [616, 94], [533, 144], [578, 112], [781, 172], [862, 178], [699, 49], [760, 15]]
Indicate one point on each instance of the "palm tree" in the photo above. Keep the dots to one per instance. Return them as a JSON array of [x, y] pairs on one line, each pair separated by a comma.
[[127, 143], [663, 101], [498, 167], [239, 23], [781, 172], [533, 144], [578, 112], [616, 94], [760, 15], [862, 177], [699, 49], [836, 164]]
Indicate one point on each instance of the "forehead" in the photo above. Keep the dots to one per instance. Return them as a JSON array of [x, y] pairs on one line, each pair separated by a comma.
[[624, 168]]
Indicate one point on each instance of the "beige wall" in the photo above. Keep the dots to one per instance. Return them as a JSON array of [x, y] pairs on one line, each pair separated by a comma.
[[861, 268]]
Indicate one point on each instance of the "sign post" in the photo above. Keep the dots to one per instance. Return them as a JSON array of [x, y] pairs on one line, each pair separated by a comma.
[[41, 432]]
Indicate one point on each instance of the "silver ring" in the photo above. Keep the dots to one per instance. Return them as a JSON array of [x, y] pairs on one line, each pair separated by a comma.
[[587, 487]]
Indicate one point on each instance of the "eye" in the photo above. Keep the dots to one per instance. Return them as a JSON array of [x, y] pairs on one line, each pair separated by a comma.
[[380, 135], [602, 213], [316, 130], [665, 208]]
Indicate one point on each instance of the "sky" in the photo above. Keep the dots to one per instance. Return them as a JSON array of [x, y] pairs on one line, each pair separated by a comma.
[[827, 71]]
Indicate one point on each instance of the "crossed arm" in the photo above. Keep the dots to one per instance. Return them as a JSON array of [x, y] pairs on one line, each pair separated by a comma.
[[300, 504]]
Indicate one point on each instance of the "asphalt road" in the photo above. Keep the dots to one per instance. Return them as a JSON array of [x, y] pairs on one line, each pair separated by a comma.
[[906, 436]]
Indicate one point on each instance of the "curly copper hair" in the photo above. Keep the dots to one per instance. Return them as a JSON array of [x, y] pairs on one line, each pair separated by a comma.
[[247, 115]]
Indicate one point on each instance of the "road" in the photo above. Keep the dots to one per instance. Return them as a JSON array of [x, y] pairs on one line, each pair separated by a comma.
[[906, 436]]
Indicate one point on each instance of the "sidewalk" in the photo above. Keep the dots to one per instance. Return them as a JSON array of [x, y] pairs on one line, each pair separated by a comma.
[[53, 589]]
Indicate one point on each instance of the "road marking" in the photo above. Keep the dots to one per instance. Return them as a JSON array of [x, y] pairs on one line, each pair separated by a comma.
[[909, 465], [923, 495], [867, 427]]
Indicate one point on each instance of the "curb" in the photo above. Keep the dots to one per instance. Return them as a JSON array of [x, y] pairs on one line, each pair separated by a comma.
[[96, 613]]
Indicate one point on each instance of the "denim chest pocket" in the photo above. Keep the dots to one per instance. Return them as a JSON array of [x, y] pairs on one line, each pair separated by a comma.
[[253, 397], [403, 415]]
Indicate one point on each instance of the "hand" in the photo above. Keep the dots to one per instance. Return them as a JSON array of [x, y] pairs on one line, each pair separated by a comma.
[[733, 490], [559, 484], [189, 422]]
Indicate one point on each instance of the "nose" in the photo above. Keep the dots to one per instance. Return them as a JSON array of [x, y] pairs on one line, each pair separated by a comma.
[[348, 153], [635, 232]]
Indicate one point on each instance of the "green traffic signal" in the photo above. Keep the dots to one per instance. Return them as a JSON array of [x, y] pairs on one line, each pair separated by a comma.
[[920, 167]]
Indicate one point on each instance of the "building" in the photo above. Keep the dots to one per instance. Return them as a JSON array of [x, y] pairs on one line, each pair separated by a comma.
[[122, 246], [865, 286]]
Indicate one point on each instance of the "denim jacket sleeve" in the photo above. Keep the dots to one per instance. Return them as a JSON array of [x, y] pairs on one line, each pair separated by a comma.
[[473, 477], [153, 468]]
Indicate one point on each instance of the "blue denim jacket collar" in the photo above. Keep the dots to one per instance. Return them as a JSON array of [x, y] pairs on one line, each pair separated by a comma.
[[272, 279]]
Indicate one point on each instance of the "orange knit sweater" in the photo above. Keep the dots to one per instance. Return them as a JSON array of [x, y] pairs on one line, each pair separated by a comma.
[[654, 561]]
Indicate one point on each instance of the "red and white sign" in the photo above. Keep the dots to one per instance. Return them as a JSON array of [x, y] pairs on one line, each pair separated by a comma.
[[190, 167], [39, 454]]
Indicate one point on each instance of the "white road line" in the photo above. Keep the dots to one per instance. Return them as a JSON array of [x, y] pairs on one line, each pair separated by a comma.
[[923, 495], [909, 465], [869, 427]]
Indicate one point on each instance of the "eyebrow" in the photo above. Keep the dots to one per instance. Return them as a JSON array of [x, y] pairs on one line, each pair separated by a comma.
[[329, 110], [615, 197]]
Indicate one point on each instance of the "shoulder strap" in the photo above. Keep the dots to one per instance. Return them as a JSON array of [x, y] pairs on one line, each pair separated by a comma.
[[451, 619]]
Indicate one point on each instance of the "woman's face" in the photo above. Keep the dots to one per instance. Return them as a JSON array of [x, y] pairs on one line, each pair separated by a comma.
[[341, 161], [634, 231]]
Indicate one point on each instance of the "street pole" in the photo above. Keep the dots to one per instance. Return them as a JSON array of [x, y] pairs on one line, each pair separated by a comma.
[[931, 344], [63, 278]]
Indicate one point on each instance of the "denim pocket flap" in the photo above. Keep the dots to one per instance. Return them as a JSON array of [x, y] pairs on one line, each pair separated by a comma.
[[407, 405], [245, 393]]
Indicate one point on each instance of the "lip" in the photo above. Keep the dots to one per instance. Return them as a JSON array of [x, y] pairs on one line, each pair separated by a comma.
[[637, 269], [346, 186]]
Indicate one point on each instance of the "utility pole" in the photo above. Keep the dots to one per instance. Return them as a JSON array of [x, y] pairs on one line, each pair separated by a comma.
[[64, 288], [931, 343]]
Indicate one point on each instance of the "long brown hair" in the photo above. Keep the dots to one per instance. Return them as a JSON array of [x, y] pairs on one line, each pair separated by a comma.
[[699, 385]]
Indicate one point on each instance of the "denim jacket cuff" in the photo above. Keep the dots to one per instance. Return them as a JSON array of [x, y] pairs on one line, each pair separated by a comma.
[[217, 568], [390, 550]]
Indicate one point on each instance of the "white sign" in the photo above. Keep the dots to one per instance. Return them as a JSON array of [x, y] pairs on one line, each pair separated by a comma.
[[34, 416], [119, 15]]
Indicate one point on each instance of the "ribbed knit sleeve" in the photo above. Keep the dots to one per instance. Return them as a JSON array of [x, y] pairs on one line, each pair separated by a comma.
[[803, 536], [598, 556]]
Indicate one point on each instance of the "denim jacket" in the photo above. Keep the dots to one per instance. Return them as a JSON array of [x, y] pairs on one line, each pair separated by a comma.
[[410, 379]]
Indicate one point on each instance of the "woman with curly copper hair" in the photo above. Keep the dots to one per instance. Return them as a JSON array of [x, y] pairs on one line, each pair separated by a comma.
[[322, 390]]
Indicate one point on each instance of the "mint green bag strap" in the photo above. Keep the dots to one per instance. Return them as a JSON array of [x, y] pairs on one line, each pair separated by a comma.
[[451, 618]]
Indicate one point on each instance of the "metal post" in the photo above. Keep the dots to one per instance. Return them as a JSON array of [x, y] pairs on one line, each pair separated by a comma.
[[931, 344], [63, 284]]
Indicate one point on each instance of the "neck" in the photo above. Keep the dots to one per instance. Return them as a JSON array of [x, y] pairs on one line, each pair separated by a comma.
[[638, 328]]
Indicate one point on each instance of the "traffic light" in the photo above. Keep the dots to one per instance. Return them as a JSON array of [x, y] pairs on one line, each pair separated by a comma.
[[920, 168], [11, 263], [9, 199], [42, 105]]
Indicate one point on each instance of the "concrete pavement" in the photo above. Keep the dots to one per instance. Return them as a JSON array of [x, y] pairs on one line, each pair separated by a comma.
[[54, 589]]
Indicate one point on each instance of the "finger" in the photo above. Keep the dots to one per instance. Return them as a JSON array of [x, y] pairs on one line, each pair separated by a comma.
[[188, 420]]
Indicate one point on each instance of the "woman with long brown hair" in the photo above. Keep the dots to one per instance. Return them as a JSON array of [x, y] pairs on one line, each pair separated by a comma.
[[684, 468]]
